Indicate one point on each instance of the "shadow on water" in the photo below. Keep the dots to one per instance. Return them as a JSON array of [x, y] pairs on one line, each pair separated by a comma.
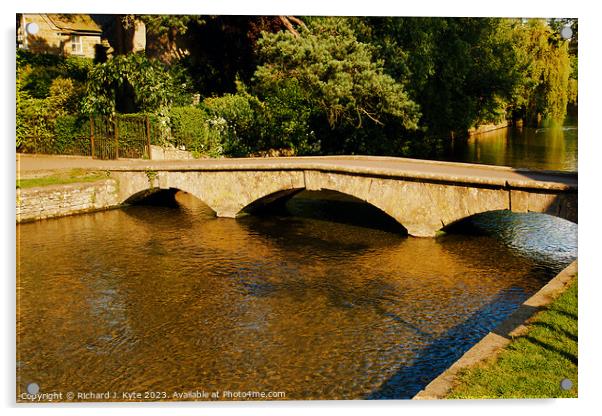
[[156, 198], [336, 207], [442, 352], [177, 209]]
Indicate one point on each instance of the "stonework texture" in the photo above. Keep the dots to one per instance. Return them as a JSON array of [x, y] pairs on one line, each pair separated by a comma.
[[167, 153], [424, 197], [60, 200], [422, 207], [50, 39]]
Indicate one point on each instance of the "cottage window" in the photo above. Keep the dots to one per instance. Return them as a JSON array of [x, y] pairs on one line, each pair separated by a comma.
[[76, 44]]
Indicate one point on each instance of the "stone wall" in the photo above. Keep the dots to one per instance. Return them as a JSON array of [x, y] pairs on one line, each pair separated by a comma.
[[169, 153], [60, 200]]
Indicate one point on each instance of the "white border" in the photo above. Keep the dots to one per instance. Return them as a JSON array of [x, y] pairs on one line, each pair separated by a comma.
[[589, 153]]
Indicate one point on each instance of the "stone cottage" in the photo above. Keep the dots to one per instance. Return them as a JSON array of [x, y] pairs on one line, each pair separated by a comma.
[[61, 34]]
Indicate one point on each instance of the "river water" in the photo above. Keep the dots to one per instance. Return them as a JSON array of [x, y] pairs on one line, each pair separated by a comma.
[[330, 301], [551, 148]]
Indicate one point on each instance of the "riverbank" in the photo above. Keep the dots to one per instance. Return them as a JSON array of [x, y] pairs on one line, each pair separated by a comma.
[[59, 177], [485, 128], [527, 356], [534, 364]]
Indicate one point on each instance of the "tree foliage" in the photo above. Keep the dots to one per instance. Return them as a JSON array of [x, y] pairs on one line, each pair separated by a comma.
[[37, 71], [315, 85], [544, 91], [169, 24], [469, 71], [332, 78], [151, 86], [46, 93]]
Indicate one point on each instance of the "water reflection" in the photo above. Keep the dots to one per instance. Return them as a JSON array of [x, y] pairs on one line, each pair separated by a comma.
[[174, 299], [551, 148]]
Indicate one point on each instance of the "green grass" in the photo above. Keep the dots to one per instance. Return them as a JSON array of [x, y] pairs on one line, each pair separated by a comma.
[[534, 364], [72, 176]]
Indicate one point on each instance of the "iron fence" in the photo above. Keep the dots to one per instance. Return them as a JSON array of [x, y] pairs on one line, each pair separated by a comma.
[[99, 136]]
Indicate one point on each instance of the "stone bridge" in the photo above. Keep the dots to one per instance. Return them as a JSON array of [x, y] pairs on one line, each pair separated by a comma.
[[423, 196]]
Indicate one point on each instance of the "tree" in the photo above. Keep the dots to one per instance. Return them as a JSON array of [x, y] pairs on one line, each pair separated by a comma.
[[151, 85], [462, 71], [544, 90], [337, 83], [163, 32]]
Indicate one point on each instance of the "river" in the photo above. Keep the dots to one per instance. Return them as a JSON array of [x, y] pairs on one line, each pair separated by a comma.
[[315, 303], [547, 147]]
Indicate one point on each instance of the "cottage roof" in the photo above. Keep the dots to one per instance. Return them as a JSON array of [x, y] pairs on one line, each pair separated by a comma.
[[74, 23]]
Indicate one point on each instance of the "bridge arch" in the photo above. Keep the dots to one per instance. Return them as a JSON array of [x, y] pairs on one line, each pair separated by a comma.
[[163, 197], [343, 208], [274, 201], [136, 186], [502, 218], [422, 206], [143, 195]]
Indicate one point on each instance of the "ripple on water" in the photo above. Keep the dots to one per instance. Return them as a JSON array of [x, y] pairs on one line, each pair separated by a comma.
[[173, 299]]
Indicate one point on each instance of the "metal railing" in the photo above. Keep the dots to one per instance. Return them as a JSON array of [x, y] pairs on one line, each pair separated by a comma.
[[125, 136], [99, 136]]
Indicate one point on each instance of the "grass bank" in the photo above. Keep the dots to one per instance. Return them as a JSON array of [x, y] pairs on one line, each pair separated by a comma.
[[534, 364], [60, 178]]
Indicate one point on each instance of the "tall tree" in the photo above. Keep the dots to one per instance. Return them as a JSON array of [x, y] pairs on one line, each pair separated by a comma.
[[544, 91], [337, 79], [461, 71]]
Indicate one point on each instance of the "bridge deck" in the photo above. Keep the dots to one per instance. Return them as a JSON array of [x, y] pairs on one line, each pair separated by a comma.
[[424, 170]]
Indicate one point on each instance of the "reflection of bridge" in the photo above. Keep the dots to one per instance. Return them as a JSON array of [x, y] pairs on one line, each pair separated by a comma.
[[424, 196]]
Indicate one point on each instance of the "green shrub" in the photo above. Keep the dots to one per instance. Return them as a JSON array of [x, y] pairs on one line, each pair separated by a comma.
[[48, 86], [238, 115], [38, 71], [182, 86], [77, 68], [194, 130], [280, 121], [25, 57], [37, 80], [64, 96], [43, 124], [283, 119], [35, 124], [71, 135], [22, 97]]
